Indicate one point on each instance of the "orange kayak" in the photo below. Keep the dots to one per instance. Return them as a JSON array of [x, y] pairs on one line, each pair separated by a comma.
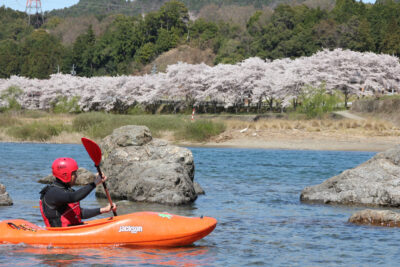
[[136, 229]]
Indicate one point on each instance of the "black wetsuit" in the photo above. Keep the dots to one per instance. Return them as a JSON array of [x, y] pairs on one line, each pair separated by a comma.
[[55, 199]]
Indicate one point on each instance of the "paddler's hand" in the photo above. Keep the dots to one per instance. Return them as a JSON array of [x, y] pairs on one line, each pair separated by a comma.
[[108, 208], [100, 180]]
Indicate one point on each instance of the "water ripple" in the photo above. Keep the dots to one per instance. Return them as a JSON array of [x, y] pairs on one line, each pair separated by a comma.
[[253, 193]]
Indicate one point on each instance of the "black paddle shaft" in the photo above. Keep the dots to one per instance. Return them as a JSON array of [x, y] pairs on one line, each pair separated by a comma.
[[105, 188]]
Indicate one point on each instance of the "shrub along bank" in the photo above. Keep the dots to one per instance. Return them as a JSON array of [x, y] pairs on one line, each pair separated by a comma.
[[42, 126]]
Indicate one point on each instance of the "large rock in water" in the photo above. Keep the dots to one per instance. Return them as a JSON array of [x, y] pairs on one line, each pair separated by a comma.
[[375, 182], [141, 168], [5, 199]]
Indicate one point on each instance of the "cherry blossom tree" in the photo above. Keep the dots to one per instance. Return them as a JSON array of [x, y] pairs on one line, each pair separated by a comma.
[[254, 80]]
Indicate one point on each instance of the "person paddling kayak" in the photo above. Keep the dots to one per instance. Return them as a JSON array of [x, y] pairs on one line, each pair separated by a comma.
[[59, 203]]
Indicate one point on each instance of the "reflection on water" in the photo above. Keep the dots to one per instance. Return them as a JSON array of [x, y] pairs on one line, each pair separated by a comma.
[[184, 256]]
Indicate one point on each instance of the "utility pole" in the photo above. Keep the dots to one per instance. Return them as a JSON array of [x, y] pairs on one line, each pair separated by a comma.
[[34, 7], [73, 72]]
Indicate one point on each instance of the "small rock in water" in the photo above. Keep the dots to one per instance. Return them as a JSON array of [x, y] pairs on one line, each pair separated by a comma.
[[376, 217], [5, 199]]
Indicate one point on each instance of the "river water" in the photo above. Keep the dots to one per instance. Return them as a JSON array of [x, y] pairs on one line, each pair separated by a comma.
[[254, 195]]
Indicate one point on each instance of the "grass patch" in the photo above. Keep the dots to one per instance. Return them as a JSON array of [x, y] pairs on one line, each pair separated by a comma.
[[36, 131], [7, 120], [41, 126], [34, 114], [99, 125], [200, 130], [85, 121], [384, 97], [136, 110]]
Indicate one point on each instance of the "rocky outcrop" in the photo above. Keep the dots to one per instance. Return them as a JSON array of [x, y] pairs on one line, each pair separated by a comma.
[[198, 189], [5, 199], [376, 182], [376, 218], [84, 177], [140, 168]]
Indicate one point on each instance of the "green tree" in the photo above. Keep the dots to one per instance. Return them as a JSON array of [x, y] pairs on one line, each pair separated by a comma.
[[127, 38], [83, 53], [287, 34], [326, 34], [166, 40], [52, 22], [230, 52], [355, 35], [145, 53], [344, 10], [41, 54], [203, 33], [13, 24], [151, 24], [174, 14], [315, 101], [9, 58], [364, 40], [10, 95], [115, 50], [391, 41]]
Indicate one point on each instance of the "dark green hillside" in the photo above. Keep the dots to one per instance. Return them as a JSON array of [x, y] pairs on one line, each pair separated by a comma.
[[136, 7], [98, 8], [13, 24], [116, 44]]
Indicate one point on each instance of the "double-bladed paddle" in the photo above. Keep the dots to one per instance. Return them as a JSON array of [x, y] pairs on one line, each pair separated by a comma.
[[94, 152]]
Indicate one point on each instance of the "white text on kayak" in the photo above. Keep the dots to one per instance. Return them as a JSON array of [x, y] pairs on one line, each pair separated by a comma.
[[132, 229]]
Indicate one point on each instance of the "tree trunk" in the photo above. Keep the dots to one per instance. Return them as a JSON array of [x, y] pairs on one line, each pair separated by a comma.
[[270, 103]]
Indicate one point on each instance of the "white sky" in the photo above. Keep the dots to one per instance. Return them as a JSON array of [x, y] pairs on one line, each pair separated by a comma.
[[48, 5]]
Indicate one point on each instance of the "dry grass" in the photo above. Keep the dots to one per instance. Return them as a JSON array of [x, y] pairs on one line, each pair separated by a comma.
[[66, 138], [280, 128], [368, 127], [49, 118]]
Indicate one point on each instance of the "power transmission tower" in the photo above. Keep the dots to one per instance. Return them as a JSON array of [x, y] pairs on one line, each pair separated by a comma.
[[34, 7]]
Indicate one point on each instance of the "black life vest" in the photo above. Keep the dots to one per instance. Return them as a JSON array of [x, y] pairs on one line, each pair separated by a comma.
[[63, 216]]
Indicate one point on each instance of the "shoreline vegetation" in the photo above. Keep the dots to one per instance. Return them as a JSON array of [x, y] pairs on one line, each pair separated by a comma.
[[271, 131]]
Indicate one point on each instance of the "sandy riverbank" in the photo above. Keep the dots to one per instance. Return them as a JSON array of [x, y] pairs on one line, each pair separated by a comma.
[[271, 141], [300, 141], [373, 144], [354, 132]]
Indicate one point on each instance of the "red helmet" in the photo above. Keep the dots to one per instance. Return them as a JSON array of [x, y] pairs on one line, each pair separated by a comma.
[[63, 168]]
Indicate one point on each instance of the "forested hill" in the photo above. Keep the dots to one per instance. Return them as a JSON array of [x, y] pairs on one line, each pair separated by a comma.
[[136, 7], [120, 44]]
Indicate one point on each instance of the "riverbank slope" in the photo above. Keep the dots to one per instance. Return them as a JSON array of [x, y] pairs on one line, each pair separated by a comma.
[[347, 131]]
